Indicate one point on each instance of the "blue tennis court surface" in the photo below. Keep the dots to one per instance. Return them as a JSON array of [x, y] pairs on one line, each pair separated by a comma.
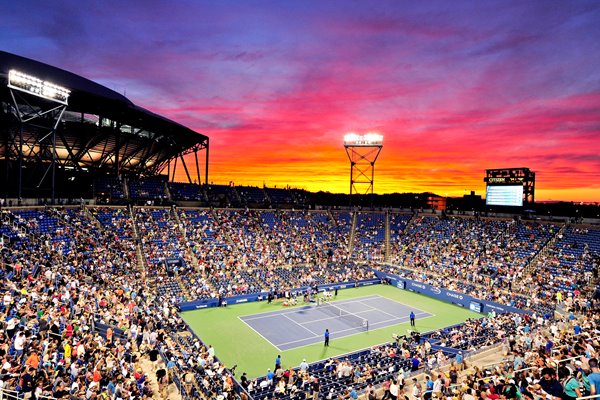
[[291, 328]]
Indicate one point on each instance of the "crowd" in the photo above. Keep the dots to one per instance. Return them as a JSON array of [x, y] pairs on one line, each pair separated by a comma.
[[547, 359], [369, 243], [476, 255], [78, 317], [486, 251], [81, 311], [570, 264], [249, 251]]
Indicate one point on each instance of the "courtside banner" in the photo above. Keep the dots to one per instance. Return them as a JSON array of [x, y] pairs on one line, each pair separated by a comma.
[[246, 298], [460, 299]]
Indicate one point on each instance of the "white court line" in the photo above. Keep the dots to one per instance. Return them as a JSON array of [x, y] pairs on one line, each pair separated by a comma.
[[361, 300], [371, 309], [300, 325], [345, 330], [399, 302], [305, 308], [377, 309], [401, 320], [413, 308], [334, 316], [336, 332], [259, 334]]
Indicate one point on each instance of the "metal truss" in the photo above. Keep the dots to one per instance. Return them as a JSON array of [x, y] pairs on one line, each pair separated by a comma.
[[171, 163], [40, 135], [362, 167], [44, 117]]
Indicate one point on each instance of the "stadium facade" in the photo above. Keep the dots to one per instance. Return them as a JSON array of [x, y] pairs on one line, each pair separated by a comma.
[[50, 149]]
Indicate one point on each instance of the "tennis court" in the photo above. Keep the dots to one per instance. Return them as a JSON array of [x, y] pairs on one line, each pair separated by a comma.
[[297, 327]]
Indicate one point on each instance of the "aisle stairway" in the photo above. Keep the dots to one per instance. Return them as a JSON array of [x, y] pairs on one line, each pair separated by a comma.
[[141, 259], [352, 233], [387, 246]]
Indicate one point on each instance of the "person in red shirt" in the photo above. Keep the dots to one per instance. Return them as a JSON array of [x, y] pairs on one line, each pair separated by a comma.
[[69, 330], [386, 389], [491, 394], [97, 375]]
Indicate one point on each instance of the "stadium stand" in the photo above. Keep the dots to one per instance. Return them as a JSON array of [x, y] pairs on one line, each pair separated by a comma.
[[109, 187], [279, 197], [569, 264], [370, 237], [186, 191], [252, 195], [152, 188], [84, 262], [223, 196], [159, 233]]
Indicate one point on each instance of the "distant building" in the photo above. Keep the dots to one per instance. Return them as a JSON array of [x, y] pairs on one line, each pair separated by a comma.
[[436, 202]]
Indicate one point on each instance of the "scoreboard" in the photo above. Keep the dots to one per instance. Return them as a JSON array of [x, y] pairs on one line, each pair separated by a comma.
[[509, 187], [504, 195]]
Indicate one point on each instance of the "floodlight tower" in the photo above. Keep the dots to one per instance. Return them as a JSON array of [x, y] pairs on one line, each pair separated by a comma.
[[362, 151], [46, 112]]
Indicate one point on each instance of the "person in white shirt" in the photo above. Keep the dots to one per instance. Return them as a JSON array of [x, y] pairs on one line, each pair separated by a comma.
[[394, 390], [11, 325], [468, 395], [438, 384], [303, 365], [19, 343], [80, 350], [416, 391], [7, 299]]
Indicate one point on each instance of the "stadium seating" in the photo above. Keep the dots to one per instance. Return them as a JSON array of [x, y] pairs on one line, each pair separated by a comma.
[[81, 267], [223, 196], [152, 188], [252, 195], [186, 191], [160, 235], [279, 197], [369, 243], [110, 187]]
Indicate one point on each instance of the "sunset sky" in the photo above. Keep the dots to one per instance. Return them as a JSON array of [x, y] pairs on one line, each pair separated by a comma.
[[455, 87]]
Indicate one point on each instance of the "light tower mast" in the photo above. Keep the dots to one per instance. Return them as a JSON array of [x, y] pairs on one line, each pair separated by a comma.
[[362, 151], [39, 105]]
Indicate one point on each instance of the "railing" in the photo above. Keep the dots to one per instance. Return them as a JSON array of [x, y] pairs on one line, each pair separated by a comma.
[[558, 362], [482, 349], [387, 237], [525, 369], [496, 364], [7, 394], [176, 378]]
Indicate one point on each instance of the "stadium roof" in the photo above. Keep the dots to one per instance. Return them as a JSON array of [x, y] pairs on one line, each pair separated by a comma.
[[100, 127]]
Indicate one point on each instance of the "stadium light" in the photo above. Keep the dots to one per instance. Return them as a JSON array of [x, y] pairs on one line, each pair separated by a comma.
[[368, 139], [362, 150], [30, 84]]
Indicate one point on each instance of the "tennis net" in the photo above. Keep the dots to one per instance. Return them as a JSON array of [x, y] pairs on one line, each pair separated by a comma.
[[356, 321]]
